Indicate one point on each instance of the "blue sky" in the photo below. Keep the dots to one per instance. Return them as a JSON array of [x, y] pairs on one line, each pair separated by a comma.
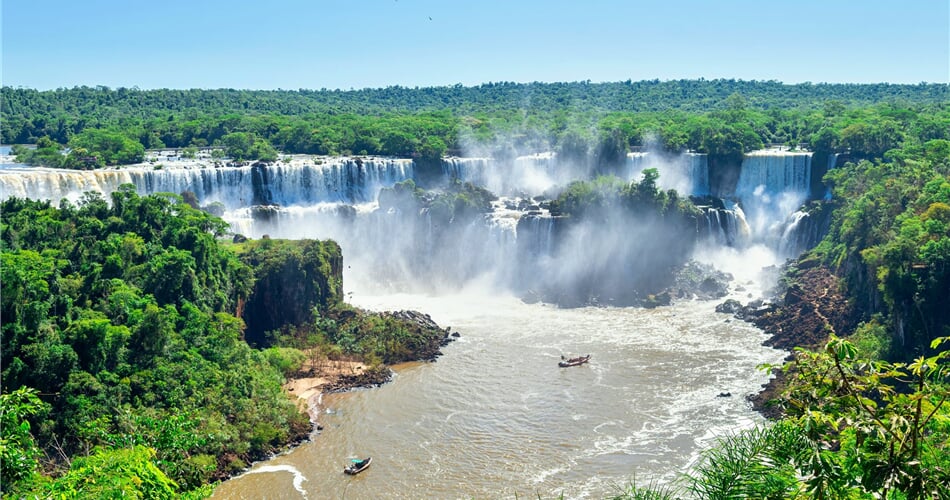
[[315, 44]]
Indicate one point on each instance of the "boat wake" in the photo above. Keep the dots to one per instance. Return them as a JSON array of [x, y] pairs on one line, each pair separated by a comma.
[[298, 476]]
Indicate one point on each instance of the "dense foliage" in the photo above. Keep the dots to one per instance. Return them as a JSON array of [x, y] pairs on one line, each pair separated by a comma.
[[297, 303], [597, 122], [294, 279], [63, 110], [120, 318], [122, 353], [378, 339], [597, 198], [460, 201], [891, 240]]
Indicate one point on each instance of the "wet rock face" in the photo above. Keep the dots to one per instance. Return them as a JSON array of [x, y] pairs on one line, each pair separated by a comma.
[[373, 377], [803, 313], [731, 306], [700, 281], [813, 307], [747, 312], [713, 287], [421, 319]]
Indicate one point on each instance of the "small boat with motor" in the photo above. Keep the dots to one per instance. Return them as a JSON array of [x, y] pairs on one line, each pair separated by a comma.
[[358, 466], [564, 363]]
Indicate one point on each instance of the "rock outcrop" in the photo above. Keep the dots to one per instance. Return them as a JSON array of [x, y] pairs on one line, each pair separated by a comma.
[[426, 337], [291, 279], [810, 308]]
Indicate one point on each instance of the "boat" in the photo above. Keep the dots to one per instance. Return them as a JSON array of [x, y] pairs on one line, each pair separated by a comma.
[[358, 466], [564, 363]]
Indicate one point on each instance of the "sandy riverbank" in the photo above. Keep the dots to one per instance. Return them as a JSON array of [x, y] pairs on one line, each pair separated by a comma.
[[315, 376]]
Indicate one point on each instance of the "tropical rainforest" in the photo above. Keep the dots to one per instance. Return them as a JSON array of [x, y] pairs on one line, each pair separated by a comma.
[[127, 365], [723, 118]]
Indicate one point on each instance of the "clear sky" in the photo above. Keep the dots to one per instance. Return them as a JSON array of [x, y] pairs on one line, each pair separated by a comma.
[[344, 44]]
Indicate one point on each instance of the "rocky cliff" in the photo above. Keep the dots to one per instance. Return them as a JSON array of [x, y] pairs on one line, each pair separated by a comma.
[[810, 305], [292, 277]]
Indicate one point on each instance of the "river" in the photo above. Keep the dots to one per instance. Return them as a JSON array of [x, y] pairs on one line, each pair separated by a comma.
[[496, 418]]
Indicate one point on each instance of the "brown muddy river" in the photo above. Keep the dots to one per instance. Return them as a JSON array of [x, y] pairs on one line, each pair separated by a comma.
[[496, 418]]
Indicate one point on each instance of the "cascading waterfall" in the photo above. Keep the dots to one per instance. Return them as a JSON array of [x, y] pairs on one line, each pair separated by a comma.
[[474, 170], [832, 163], [536, 234], [523, 175], [832, 160], [771, 185], [517, 243], [770, 172], [687, 173], [790, 242], [298, 182], [725, 225], [353, 180], [802, 230]]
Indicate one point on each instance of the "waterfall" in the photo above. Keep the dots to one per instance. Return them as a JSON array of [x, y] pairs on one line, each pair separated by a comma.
[[536, 235], [474, 170], [804, 230], [772, 172], [529, 175], [771, 185], [302, 181], [790, 243], [687, 173], [832, 160], [350, 180], [518, 245], [832, 163], [697, 169], [726, 225]]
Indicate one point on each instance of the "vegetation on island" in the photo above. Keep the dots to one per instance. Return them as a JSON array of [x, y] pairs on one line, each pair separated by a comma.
[[660, 230]]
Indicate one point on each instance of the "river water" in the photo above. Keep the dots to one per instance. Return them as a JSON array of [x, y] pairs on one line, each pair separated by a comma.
[[496, 418]]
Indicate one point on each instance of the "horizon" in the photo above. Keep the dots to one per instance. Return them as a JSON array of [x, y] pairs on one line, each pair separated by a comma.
[[342, 46], [423, 87]]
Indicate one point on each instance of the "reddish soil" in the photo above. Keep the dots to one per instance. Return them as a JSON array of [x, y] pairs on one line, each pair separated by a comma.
[[813, 307]]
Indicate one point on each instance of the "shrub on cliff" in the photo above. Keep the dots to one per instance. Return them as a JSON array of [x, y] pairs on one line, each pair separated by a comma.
[[291, 278]]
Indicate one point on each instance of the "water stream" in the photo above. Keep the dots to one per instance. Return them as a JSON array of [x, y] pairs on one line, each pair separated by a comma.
[[496, 418]]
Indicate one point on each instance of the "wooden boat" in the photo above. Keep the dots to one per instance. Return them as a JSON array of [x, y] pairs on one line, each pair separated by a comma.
[[573, 361], [358, 466]]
